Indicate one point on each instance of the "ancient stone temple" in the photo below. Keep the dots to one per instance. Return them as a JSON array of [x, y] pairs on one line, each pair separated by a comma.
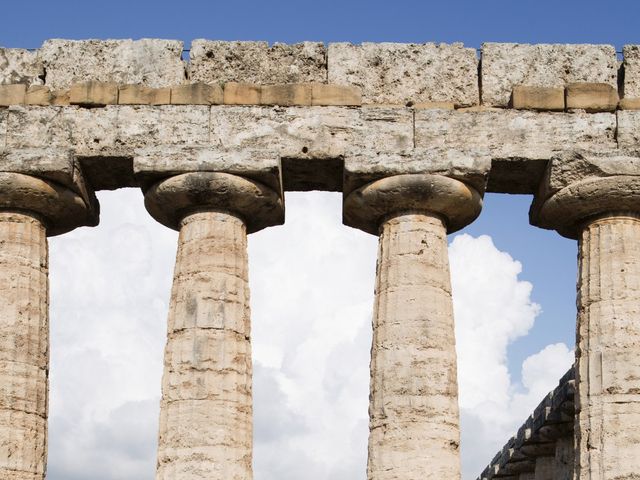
[[413, 136]]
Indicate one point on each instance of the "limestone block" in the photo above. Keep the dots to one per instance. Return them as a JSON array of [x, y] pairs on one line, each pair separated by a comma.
[[505, 65], [434, 106], [93, 94], [12, 94], [61, 97], [242, 93], [196, 94], [216, 62], [4, 114], [153, 163], [150, 62], [398, 73], [469, 167], [513, 134], [313, 132], [629, 104], [20, 66], [592, 97], [538, 98], [287, 95], [38, 95], [629, 130], [111, 131], [631, 55], [51, 163], [336, 95], [141, 95]]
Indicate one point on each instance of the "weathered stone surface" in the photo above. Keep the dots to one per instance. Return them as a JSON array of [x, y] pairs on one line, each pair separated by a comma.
[[505, 65], [607, 434], [631, 71], [469, 167], [592, 97], [629, 130], [511, 134], [413, 412], [335, 95], [206, 427], [20, 66], [217, 62], [196, 94], [153, 163], [12, 94], [4, 115], [286, 95], [629, 104], [579, 185], [313, 132], [93, 94], [236, 93], [141, 95], [111, 131], [38, 95], [397, 73], [564, 458], [24, 345], [538, 98], [434, 106], [150, 62]]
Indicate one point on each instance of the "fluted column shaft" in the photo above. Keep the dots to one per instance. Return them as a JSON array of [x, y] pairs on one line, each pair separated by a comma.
[[24, 346], [206, 420], [414, 418], [608, 349], [206, 424], [413, 409]]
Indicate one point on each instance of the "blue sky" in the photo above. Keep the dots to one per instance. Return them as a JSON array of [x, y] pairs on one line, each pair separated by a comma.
[[548, 260]]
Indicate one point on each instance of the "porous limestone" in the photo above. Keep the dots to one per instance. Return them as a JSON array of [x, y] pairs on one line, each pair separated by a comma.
[[505, 65], [24, 346], [629, 130], [564, 459], [631, 88], [150, 62], [399, 73], [18, 65], [218, 62]]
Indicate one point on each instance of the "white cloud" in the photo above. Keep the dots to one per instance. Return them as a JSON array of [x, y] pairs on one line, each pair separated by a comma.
[[312, 296]]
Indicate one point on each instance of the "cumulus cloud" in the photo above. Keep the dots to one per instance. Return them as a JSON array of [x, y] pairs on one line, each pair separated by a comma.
[[312, 298]]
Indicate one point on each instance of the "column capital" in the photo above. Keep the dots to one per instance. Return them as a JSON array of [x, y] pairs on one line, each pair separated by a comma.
[[170, 200], [47, 183], [581, 186], [454, 200]]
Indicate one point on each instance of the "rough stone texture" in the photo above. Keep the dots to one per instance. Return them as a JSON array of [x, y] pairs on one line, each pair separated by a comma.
[[538, 98], [505, 65], [24, 347], [335, 95], [286, 95], [93, 94], [150, 62], [414, 430], [217, 62], [4, 115], [469, 167], [629, 130], [12, 94], [631, 71], [545, 468], [313, 132], [629, 104], [564, 460], [196, 94], [141, 95], [38, 95], [20, 66], [206, 409], [398, 73], [514, 134], [154, 163], [113, 131], [592, 97], [608, 357], [236, 93]]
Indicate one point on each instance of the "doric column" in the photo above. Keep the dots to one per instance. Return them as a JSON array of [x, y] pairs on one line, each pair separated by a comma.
[[597, 201], [206, 410], [30, 209], [414, 418]]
